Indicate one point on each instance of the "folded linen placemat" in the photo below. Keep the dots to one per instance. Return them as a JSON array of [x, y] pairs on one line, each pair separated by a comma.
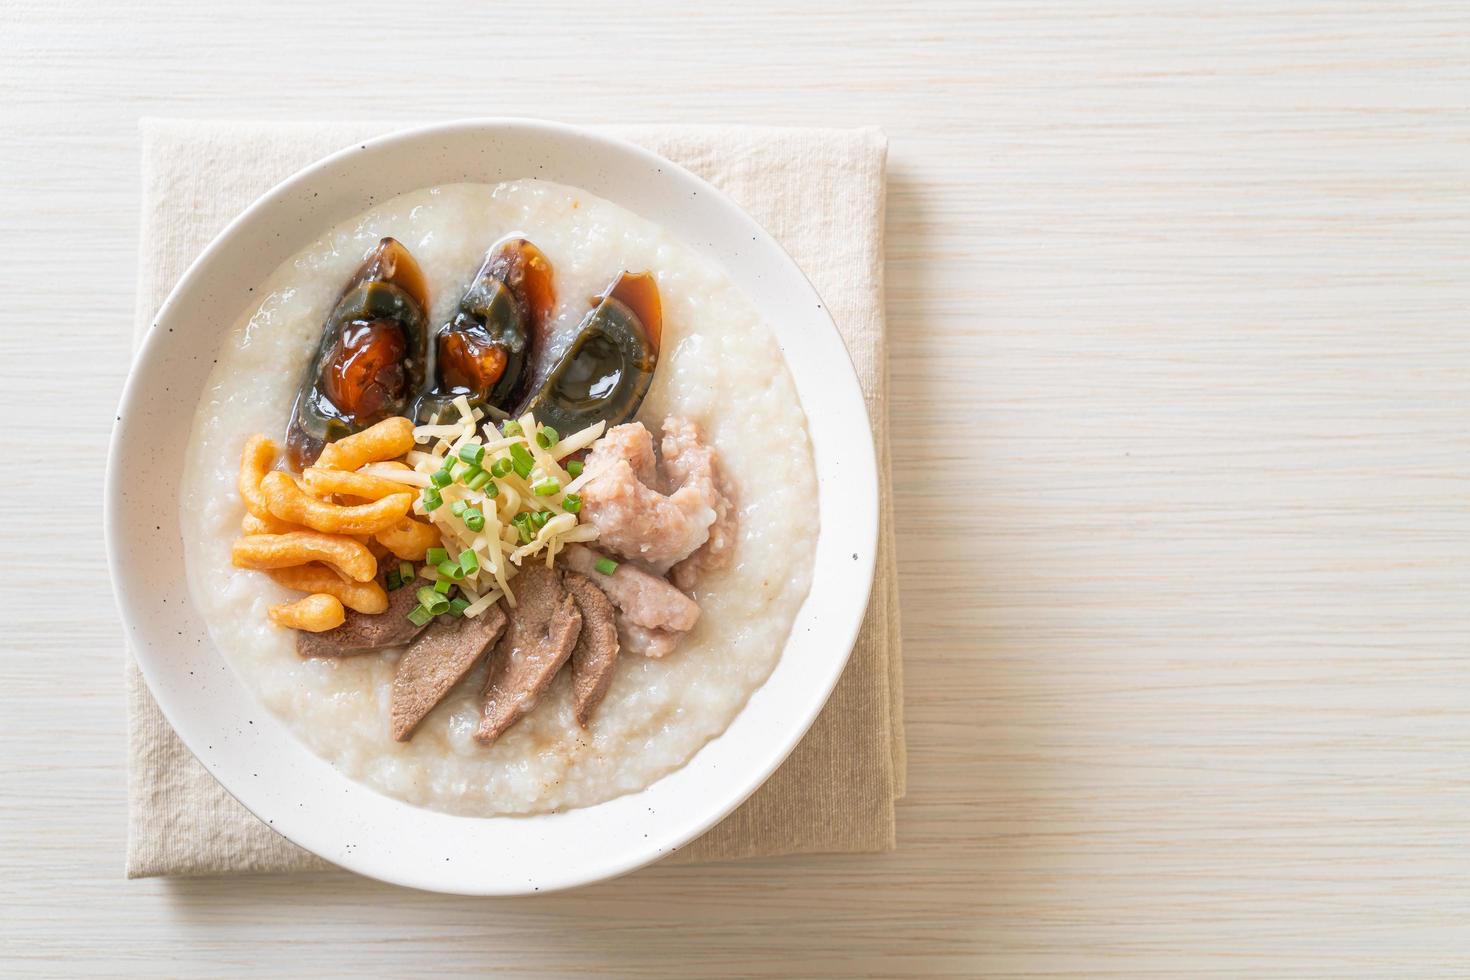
[[821, 194]]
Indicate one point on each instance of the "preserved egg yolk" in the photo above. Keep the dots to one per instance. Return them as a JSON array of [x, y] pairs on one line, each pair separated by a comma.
[[466, 362], [365, 375]]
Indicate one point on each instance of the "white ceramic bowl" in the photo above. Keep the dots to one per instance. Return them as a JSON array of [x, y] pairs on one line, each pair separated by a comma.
[[252, 754]]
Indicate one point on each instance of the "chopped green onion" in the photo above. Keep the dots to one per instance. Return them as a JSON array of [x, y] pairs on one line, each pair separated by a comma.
[[479, 481], [521, 460], [492, 489], [457, 606], [432, 499], [574, 467], [474, 519], [443, 586], [393, 581], [540, 517], [469, 561], [468, 472], [501, 467], [442, 478], [511, 428], [420, 616], [433, 601], [572, 503], [606, 566], [522, 524], [435, 555], [547, 437], [472, 453], [406, 572], [450, 570], [459, 507], [546, 486]]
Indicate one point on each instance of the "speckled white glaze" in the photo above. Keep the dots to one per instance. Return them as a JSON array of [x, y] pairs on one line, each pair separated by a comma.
[[254, 754]]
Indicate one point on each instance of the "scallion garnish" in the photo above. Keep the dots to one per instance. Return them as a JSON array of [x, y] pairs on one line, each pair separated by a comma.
[[432, 499], [492, 489], [459, 507], [472, 453], [546, 486], [501, 467], [441, 478], [547, 437], [406, 572], [540, 517], [521, 460], [457, 606], [420, 616], [393, 581], [606, 566], [443, 586], [479, 481], [572, 503], [450, 570], [469, 561], [474, 519], [574, 467], [511, 428], [433, 601], [435, 555]]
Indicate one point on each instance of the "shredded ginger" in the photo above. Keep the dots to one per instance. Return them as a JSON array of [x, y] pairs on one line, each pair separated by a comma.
[[511, 504]]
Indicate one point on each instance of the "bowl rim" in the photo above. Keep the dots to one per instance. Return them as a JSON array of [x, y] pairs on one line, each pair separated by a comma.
[[841, 628]]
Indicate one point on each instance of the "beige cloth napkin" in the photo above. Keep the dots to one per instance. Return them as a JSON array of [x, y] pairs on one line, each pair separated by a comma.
[[821, 194]]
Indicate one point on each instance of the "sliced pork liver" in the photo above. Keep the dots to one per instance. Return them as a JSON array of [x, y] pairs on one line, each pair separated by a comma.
[[364, 633], [437, 661], [544, 626], [596, 652], [645, 600]]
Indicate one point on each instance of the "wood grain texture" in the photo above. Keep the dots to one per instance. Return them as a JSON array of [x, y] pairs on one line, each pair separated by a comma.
[[1177, 302]]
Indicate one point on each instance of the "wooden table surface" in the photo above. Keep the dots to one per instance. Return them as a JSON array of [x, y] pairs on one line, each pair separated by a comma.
[[1177, 298]]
